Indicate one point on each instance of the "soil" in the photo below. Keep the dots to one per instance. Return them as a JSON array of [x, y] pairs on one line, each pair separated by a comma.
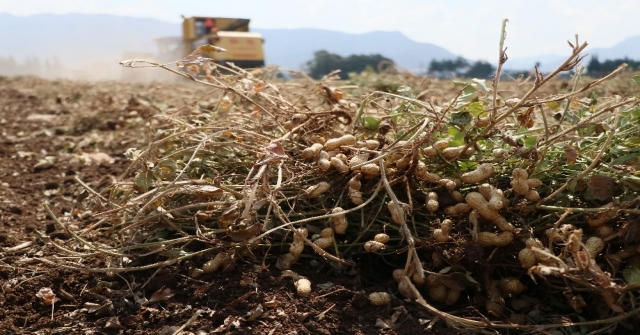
[[57, 133]]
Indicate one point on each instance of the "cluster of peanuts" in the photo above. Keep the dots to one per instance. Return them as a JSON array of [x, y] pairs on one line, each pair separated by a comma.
[[536, 254]]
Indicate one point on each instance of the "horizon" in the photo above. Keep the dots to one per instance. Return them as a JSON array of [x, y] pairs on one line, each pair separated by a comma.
[[594, 21]]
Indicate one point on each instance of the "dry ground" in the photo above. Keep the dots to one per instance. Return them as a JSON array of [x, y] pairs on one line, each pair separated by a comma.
[[57, 132]]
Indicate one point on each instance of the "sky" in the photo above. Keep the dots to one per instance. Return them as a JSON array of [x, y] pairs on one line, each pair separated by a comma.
[[470, 28]]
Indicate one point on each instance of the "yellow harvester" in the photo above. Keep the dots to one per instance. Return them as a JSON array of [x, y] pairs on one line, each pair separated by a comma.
[[244, 48]]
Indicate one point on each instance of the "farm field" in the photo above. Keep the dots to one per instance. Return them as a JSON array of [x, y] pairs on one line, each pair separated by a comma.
[[116, 198]]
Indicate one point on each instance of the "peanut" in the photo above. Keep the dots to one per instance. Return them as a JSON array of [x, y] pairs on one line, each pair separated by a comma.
[[312, 151], [380, 298], [336, 143], [317, 190], [527, 258], [438, 293], [214, 264], [403, 163], [303, 287], [393, 158], [502, 239], [496, 198], [500, 153], [422, 173], [373, 246], [432, 150], [593, 246], [371, 144], [339, 165], [519, 181], [370, 170], [453, 152], [286, 262], [296, 248], [324, 242], [358, 159], [476, 201], [340, 223], [442, 234], [449, 184], [324, 162], [511, 285], [397, 212], [405, 289], [355, 183], [327, 232], [457, 196], [381, 238], [457, 209], [452, 297], [482, 172], [432, 202], [356, 197]]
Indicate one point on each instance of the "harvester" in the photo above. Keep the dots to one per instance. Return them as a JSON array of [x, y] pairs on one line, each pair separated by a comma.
[[244, 48]]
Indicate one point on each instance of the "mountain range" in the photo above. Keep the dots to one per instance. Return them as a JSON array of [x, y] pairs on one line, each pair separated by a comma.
[[93, 44]]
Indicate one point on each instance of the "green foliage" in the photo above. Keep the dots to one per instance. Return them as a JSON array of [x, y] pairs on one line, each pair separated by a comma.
[[324, 62], [600, 69]]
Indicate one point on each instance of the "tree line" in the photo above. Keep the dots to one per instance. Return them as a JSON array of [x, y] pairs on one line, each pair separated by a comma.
[[461, 67], [324, 62], [599, 69]]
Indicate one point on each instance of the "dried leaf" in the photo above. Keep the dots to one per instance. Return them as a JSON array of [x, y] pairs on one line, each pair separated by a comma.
[[201, 55], [245, 234], [337, 94], [525, 118], [162, 294], [571, 153], [259, 86], [275, 148], [255, 313], [601, 187], [91, 307], [47, 295], [113, 323], [383, 324]]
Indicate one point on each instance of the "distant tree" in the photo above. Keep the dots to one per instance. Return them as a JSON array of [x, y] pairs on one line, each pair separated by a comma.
[[597, 69], [480, 69], [594, 67], [324, 62], [448, 67]]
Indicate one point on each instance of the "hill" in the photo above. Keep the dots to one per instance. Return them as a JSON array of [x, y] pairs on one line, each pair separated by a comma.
[[291, 48], [89, 42], [91, 45]]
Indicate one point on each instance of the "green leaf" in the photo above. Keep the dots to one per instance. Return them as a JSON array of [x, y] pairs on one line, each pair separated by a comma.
[[371, 123], [636, 78], [459, 83], [144, 180], [461, 118], [457, 136], [530, 141], [467, 166], [326, 285], [625, 159], [480, 84], [632, 275], [476, 109]]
